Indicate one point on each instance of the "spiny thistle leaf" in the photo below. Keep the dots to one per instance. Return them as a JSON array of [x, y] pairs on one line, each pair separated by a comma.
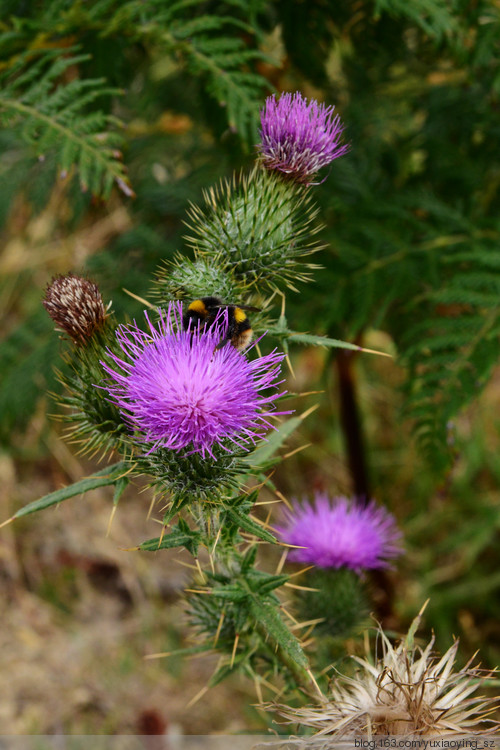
[[328, 343], [242, 611], [269, 619], [179, 537], [249, 525], [103, 478], [205, 612]]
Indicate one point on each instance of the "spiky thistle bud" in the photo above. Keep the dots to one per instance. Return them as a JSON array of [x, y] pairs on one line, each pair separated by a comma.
[[335, 597], [258, 229], [184, 278], [75, 305]]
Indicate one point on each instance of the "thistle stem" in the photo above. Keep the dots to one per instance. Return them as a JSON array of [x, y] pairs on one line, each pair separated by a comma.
[[356, 454], [352, 426]]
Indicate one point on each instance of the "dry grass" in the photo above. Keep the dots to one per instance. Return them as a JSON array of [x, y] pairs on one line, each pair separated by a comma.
[[79, 614]]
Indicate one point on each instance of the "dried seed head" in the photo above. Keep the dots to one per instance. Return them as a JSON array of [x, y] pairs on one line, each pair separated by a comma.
[[403, 690], [75, 305]]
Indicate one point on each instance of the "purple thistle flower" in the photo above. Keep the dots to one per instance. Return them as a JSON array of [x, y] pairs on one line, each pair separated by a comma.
[[341, 533], [178, 390], [297, 137]]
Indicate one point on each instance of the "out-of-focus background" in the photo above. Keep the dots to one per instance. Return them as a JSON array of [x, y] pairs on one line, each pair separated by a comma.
[[410, 266]]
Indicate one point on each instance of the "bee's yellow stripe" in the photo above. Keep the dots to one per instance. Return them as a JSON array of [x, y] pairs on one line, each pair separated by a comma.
[[198, 306], [239, 315]]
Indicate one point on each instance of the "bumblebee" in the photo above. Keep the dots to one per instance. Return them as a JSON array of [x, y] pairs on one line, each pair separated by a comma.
[[204, 311]]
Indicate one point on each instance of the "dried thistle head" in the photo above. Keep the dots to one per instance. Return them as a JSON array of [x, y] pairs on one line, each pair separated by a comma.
[[404, 691], [75, 305]]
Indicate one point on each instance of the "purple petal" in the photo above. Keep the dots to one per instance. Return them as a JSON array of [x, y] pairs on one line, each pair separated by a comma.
[[297, 137], [177, 390], [341, 532]]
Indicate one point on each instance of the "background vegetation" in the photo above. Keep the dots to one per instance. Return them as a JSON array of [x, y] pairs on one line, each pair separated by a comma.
[[115, 115]]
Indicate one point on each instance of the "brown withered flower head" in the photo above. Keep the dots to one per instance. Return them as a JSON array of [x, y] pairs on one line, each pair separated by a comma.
[[75, 305]]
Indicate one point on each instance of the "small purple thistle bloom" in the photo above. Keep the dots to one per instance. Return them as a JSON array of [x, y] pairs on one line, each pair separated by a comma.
[[178, 390], [341, 533], [297, 137]]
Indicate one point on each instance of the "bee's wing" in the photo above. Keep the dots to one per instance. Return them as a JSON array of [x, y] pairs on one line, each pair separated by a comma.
[[250, 308], [242, 307]]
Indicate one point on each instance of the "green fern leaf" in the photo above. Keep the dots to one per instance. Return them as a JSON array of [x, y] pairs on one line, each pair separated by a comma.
[[453, 349], [55, 116]]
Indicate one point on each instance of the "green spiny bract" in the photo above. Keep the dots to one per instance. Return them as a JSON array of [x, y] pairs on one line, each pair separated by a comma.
[[93, 421], [188, 279], [75, 304], [188, 477], [259, 229], [210, 618], [339, 599]]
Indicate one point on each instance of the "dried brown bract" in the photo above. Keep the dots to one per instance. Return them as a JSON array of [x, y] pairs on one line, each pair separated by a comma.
[[75, 305]]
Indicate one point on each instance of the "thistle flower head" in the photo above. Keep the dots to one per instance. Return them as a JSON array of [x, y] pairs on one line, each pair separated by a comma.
[[299, 137], [339, 532], [75, 305], [179, 389], [405, 691]]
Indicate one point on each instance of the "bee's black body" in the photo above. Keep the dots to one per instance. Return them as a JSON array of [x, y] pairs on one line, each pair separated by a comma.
[[204, 311]]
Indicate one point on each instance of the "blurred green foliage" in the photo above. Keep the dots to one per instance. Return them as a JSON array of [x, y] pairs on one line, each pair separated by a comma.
[[102, 98]]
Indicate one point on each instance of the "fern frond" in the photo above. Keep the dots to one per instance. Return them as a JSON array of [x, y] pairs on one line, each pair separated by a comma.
[[215, 48], [219, 62], [52, 112], [220, 49], [453, 349], [434, 17]]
